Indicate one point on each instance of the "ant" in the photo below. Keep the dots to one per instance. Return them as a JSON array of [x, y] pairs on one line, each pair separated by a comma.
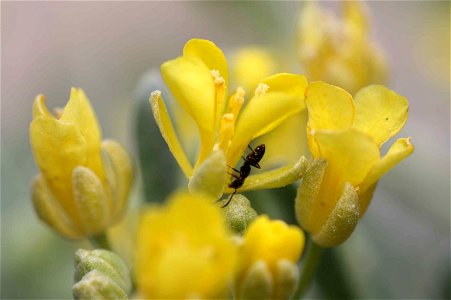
[[252, 159]]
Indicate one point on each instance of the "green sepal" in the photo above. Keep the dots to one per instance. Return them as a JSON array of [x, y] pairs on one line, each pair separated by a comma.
[[239, 213]]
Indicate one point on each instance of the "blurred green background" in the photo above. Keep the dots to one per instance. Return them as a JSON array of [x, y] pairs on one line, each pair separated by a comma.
[[401, 249]]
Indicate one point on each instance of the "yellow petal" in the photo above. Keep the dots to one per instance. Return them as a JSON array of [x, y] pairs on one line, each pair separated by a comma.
[[341, 221], [210, 55], [58, 147], [286, 143], [210, 176], [329, 107], [39, 107], [161, 116], [354, 16], [191, 83], [275, 178], [78, 111], [264, 113], [365, 198], [397, 152], [120, 171], [50, 211], [350, 155], [91, 200], [380, 112]]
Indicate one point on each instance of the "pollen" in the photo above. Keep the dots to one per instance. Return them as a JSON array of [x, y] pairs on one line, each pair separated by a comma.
[[261, 89], [217, 77]]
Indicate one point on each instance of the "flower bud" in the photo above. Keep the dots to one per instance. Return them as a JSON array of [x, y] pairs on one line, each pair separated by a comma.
[[239, 213], [105, 264]]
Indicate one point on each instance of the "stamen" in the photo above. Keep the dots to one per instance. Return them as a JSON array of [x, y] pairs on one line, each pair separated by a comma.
[[261, 89], [219, 97], [236, 102], [226, 131]]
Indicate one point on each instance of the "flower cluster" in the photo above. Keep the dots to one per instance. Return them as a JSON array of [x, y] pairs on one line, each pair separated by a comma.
[[196, 244]]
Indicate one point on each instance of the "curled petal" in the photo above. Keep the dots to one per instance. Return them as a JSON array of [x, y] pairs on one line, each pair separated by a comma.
[[380, 112], [397, 152], [39, 107], [275, 178], [210, 176], [91, 200], [119, 170], [50, 211], [341, 221], [209, 53], [161, 116]]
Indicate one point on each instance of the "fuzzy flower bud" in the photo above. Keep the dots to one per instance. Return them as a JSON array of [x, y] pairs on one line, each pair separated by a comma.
[[84, 182], [100, 274]]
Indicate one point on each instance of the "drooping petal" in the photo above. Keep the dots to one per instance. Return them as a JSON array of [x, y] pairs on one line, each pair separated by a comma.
[[380, 112], [397, 152], [275, 178], [79, 112], [120, 170], [265, 112], [342, 220], [191, 83], [50, 211], [210, 54], [58, 147], [163, 120], [350, 155], [91, 200]]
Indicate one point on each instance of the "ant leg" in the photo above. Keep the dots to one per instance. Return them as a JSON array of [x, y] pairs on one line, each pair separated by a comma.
[[250, 148], [230, 199]]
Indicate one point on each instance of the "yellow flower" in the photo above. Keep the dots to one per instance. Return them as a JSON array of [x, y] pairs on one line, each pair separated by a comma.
[[345, 136], [199, 82], [268, 259], [84, 182], [339, 51], [184, 250]]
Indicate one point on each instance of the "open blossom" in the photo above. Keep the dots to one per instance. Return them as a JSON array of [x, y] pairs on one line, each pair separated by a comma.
[[339, 51], [345, 136], [184, 250], [84, 182], [199, 82]]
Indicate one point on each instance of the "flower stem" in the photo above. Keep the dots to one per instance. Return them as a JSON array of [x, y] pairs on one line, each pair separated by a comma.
[[308, 269], [100, 241]]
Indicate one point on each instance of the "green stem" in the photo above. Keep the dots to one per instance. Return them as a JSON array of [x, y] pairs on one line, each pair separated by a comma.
[[308, 269], [100, 241]]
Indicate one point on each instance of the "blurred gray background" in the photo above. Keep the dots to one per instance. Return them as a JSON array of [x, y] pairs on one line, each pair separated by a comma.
[[401, 249]]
